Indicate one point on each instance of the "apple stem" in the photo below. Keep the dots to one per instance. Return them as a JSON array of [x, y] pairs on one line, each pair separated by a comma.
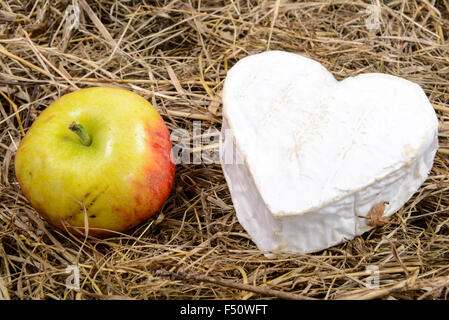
[[81, 132]]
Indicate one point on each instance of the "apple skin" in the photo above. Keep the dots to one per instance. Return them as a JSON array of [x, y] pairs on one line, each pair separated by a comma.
[[121, 179]]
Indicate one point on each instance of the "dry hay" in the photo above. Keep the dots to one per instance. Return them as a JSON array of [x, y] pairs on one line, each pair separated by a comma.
[[176, 53]]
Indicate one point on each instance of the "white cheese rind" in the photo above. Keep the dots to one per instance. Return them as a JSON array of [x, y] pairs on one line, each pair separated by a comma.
[[362, 141]]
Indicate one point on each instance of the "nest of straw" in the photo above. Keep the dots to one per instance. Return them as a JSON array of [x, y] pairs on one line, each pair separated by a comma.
[[176, 54]]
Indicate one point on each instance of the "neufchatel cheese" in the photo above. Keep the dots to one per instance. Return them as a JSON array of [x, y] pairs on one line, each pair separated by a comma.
[[305, 156]]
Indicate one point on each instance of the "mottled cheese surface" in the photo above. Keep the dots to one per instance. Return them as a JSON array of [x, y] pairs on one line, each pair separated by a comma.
[[304, 154]]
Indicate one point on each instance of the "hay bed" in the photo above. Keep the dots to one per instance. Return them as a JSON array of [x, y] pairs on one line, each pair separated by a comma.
[[176, 53]]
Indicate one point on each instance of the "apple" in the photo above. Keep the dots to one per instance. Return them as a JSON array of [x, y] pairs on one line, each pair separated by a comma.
[[101, 156]]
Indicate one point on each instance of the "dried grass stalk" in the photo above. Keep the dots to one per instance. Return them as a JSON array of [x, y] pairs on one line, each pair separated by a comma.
[[176, 54]]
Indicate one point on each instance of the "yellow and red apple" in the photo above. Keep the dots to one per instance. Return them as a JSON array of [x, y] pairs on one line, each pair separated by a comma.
[[101, 154]]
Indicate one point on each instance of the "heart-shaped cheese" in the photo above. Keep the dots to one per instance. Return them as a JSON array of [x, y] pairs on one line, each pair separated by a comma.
[[305, 155]]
